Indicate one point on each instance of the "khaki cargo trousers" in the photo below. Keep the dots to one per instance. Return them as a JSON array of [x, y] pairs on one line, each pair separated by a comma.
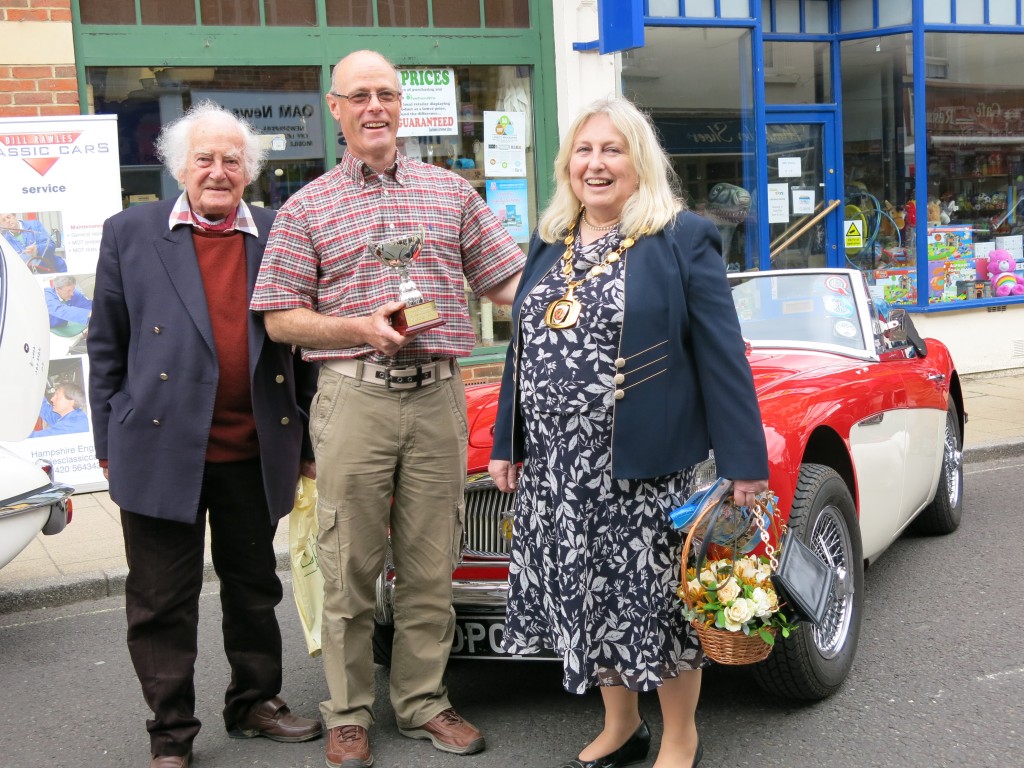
[[388, 459]]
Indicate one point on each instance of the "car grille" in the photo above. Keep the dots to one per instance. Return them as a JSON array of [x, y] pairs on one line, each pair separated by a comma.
[[488, 531]]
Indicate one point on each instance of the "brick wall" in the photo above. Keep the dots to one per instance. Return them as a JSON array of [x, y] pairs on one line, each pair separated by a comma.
[[39, 86]]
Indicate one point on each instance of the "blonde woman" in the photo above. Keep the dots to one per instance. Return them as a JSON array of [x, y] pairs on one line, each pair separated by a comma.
[[627, 366]]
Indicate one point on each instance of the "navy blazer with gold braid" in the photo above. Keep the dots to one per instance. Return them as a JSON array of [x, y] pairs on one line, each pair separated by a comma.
[[672, 411]]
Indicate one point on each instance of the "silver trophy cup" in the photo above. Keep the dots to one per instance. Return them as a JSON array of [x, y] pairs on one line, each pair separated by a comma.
[[398, 253]]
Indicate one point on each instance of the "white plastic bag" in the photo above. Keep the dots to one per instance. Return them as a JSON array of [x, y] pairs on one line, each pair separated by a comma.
[[307, 581]]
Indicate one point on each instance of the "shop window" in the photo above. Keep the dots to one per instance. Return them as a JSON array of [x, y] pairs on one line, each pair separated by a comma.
[[975, 141], [278, 101], [797, 73], [816, 16], [158, 12], [456, 13], [230, 12], [937, 12], [402, 13], [704, 9], [878, 152], [893, 12], [290, 13], [1002, 12], [857, 14], [697, 89], [507, 13], [666, 8], [970, 11], [107, 11], [787, 16], [349, 13], [735, 9]]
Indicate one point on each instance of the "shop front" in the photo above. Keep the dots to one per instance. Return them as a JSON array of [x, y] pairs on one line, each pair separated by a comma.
[[477, 80], [882, 135]]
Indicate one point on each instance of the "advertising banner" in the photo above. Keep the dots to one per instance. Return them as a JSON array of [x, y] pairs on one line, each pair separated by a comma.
[[61, 181]]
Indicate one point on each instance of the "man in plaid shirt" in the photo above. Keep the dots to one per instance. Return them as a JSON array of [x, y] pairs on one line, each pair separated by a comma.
[[389, 420]]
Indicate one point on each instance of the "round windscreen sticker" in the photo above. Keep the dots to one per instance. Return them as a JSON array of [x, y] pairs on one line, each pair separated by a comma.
[[845, 328], [838, 306]]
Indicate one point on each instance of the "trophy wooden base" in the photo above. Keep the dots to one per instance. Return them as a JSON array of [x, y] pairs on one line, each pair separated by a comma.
[[416, 318]]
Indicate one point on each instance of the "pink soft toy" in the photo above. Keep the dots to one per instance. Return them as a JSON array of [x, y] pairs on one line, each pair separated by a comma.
[[1005, 282]]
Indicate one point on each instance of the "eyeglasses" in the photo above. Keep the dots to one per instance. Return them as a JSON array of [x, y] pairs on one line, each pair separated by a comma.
[[360, 98]]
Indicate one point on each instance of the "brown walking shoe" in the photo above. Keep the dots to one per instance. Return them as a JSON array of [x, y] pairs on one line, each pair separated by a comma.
[[273, 719], [348, 747], [171, 761], [449, 732]]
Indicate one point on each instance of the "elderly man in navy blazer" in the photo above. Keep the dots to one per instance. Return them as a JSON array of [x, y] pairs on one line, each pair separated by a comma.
[[196, 410]]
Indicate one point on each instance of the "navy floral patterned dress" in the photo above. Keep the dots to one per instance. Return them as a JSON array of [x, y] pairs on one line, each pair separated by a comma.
[[595, 561]]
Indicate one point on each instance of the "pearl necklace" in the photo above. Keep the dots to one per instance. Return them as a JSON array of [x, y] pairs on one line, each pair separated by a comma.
[[564, 312], [613, 225]]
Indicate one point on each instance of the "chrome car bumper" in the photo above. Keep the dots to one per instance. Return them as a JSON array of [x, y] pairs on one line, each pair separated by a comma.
[[55, 496]]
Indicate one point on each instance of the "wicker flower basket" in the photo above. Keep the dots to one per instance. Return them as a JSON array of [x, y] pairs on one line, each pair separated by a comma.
[[720, 645], [732, 648]]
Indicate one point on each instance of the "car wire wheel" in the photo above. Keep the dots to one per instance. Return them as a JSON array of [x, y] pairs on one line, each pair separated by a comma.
[[830, 541], [813, 662]]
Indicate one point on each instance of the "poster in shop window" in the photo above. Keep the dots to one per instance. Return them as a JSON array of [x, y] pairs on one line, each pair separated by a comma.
[[61, 181], [504, 144]]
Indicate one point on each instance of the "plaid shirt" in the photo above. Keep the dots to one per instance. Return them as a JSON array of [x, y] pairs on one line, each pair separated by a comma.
[[318, 254], [181, 214]]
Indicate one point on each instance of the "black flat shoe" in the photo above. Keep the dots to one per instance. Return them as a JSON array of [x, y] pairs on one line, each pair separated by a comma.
[[633, 751]]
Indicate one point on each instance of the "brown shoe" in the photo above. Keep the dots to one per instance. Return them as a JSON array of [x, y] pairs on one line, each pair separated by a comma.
[[449, 732], [272, 718], [171, 761], [348, 747]]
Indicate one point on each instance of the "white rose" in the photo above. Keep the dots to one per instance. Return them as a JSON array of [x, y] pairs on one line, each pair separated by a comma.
[[746, 568], [729, 591], [707, 577], [694, 587], [762, 603], [739, 613]]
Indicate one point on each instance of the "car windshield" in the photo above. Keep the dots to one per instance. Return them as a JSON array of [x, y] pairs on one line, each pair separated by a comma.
[[800, 309]]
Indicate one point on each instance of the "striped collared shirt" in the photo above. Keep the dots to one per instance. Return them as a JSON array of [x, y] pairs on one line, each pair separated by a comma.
[[181, 214], [318, 255]]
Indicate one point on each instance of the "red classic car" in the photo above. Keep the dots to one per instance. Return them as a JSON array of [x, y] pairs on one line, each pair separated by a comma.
[[864, 422]]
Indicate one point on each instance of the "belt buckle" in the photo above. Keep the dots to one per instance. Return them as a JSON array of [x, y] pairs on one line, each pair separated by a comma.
[[417, 380]]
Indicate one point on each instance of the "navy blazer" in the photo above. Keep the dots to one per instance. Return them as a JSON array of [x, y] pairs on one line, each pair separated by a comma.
[[153, 370], [687, 384]]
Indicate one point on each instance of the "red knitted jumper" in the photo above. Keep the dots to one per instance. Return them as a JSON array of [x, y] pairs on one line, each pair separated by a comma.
[[222, 264]]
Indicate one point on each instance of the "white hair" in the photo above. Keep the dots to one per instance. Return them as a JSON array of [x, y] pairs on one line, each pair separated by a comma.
[[175, 139]]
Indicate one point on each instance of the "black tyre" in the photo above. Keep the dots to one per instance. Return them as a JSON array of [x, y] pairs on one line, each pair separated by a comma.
[[943, 515], [813, 662], [383, 638]]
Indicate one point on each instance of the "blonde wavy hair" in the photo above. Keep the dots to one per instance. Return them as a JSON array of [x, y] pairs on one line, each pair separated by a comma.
[[655, 203]]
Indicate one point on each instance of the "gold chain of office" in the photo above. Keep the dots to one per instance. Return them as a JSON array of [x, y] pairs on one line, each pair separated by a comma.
[[564, 312]]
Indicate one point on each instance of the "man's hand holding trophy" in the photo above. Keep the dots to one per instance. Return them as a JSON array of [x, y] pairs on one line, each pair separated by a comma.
[[398, 253]]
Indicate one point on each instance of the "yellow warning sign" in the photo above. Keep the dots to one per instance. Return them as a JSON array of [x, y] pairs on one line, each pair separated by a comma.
[[854, 233]]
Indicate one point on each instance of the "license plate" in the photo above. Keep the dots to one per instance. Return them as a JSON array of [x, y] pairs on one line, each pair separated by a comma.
[[479, 637]]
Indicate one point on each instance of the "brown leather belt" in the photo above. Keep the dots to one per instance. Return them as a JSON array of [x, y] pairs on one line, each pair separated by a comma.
[[412, 377]]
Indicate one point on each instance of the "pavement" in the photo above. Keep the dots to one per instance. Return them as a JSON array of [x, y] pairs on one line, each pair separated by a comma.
[[86, 560]]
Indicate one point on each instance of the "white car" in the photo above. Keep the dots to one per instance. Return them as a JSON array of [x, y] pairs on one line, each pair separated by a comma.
[[30, 501]]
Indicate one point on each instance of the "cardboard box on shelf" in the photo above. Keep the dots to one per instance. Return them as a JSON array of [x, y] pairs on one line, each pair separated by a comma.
[[945, 243]]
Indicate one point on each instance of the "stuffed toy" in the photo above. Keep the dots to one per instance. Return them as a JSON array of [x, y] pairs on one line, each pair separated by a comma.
[[934, 213], [1001, 266]]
